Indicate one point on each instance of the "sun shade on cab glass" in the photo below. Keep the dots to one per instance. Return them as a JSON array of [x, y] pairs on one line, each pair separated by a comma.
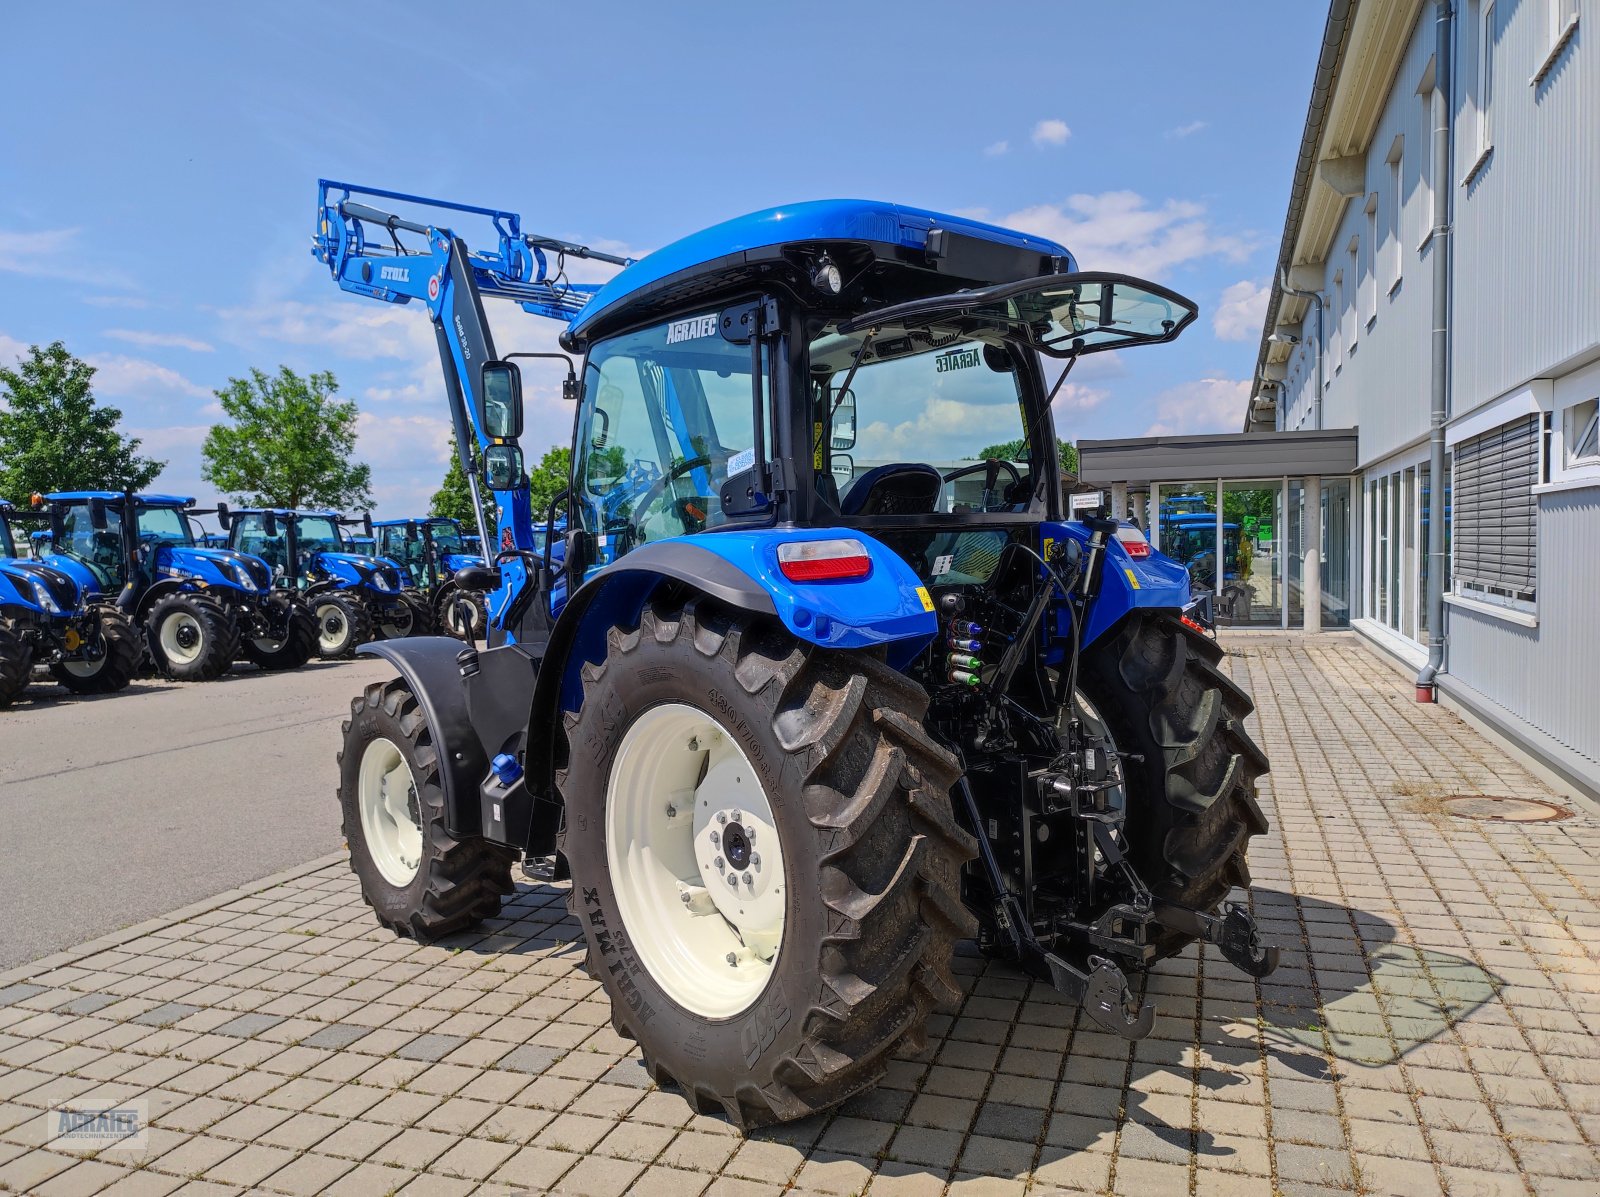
[[1059, 314]]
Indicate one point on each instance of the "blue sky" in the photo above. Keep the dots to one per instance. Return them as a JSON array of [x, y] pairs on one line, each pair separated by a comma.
[[157, 174]]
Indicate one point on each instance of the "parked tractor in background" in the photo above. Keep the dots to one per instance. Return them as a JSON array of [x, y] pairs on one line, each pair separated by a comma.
[[47, 619], [432, 550], [198, 608], [351, 596], [793, 726]]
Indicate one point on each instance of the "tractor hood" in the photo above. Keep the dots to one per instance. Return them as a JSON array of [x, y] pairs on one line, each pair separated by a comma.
[[216, 567], [357, 569], [454, 561], [27, 578], [82, 576]]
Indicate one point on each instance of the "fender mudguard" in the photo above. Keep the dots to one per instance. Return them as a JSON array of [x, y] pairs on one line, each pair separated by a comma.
[[888, 608], [1126, 582], [473, 717]]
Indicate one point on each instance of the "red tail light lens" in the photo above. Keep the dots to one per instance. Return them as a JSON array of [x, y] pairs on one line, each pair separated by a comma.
[[1134, 542], [824, 560]]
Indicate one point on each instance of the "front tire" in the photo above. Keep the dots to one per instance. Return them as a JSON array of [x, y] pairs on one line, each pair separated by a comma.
[[710, 712], [462, 614], [342, 621], [192, 637], [406, 615], [1192, 800], [419, 880], [16, 665], [291, 637], [110, 664]]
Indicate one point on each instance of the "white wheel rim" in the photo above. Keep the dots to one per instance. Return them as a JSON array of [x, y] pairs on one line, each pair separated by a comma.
[[398, 622], [332, 627], [462, 617], [182, 638], [682, 806], [84, 668], [390, 819]]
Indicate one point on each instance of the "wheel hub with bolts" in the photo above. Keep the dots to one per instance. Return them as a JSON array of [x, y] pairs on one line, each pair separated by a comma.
[[181, 638], [684, 807]]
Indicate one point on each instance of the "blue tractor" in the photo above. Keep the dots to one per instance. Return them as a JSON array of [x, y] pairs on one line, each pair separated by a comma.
[[352, 596], [433, 550], [198, 608], [791, 718], [46, 619]]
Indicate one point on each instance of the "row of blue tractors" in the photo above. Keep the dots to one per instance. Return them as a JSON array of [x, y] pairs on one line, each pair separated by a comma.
[[100, 587]]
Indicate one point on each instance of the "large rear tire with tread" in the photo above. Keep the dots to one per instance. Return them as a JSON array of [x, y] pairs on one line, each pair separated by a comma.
[[295, 640], [463, 614], [343, 623], [859, 798], [1192, 800], [16, 665], [121, 654], [408, 615], [420, 880], [192, 637]]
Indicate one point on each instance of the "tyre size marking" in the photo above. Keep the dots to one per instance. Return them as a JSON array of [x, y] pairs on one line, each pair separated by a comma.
[[654, 674], [614, 942], [746, 733]]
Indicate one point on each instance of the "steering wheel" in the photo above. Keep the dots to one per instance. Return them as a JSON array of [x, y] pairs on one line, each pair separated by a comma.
[[657, 488], [991, 472]]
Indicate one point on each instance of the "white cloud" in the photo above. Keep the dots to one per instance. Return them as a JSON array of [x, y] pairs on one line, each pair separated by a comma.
[[351, 328], [11, 349], [995, 148], [137, 377], [157, 340], [1118, 230], [1240, 311], [1188, 130], [53, 253], [1204, 405], [115, 301], [1051, 132]]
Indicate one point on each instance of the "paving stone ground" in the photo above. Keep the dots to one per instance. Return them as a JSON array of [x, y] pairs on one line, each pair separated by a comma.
[[1432, 1028]]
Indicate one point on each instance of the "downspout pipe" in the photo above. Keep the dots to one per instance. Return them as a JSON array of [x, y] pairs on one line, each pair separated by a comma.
[[1316, 298], [1427, 680]]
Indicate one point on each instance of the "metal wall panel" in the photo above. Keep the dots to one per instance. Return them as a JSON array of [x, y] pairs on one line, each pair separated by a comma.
[[1527, 234], [1548, 675]]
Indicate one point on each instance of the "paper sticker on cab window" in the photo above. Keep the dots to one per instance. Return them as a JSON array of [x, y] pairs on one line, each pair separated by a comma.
[[943, 564], [741, 461], [927, 599]]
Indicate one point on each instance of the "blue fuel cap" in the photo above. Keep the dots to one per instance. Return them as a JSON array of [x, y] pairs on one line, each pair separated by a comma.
[[506, 768]]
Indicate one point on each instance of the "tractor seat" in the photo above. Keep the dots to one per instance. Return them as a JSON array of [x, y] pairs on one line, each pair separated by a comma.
[[899, 488]]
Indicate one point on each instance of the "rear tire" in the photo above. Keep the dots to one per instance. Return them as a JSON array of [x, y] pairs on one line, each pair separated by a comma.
[[296, 643], [120, 654], [342, 623], [462, 613], [419, 880], [1192, 801], [408, 615], [192, 637], [16, 665], [871, 856]]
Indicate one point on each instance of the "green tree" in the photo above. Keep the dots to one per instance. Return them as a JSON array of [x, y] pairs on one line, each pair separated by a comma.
[[549, 478], [1017, 450], [54, 436], [453, 499], [291, 444]]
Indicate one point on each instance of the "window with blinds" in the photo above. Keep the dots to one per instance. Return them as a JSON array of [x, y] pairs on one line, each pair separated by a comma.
[[1495, 515]]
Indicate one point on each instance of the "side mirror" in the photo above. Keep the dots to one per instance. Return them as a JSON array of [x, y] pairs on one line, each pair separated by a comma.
[[97, 514], [501, 413], [366, 524], [411, 530], [269, 523], [224, 516], [502, 467], [843, 469], [844, 421], [477, 577]]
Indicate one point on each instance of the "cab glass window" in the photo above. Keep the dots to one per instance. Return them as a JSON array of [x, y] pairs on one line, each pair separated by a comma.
[[250, 536], [165, 524], [100, 549], [666, 421]]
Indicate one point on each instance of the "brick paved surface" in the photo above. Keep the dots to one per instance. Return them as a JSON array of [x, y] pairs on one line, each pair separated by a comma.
[[1431, 1029]]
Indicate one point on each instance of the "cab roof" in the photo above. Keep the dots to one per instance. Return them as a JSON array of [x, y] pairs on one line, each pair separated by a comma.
[[967, 252], [419, 519], [333, 515], [110, 496]]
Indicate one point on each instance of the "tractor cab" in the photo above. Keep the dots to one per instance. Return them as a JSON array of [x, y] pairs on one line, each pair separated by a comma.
[[430, 549]]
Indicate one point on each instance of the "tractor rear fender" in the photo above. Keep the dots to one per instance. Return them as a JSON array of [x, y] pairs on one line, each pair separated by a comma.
[[1126, 582], [887, 607], [155, 593], [474, 702]]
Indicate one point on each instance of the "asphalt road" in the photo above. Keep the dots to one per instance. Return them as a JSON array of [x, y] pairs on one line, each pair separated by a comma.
[[119, 808]]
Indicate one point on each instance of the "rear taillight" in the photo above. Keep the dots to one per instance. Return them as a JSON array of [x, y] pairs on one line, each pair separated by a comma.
[[824, 560], [1133, 541]]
